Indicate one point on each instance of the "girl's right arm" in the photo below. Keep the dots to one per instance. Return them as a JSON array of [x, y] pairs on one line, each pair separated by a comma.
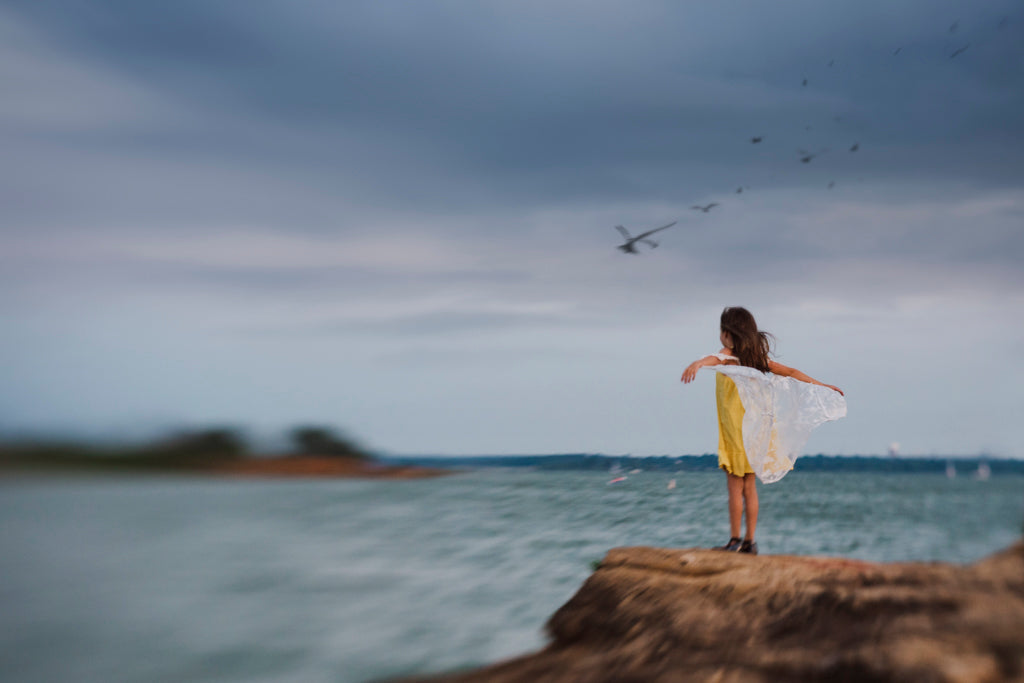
[[691, 370]]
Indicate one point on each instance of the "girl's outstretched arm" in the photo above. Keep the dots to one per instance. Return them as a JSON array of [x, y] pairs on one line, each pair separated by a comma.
[[691, 370], [786, 371]]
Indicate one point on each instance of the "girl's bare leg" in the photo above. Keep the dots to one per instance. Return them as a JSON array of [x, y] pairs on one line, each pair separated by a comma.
[[751, 503], [735, 504]]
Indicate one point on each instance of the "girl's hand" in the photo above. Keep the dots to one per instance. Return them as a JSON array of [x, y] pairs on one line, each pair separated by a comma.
[[835, 389], [691, 370]]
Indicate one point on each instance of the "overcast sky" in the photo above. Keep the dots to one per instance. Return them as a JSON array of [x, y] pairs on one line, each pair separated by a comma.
[[397, 218]]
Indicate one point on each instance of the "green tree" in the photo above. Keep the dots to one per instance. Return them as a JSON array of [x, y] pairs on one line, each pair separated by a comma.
[[205, 445], [313, 440]]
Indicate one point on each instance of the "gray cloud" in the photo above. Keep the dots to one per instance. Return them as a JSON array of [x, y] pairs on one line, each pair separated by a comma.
[[442, 101]]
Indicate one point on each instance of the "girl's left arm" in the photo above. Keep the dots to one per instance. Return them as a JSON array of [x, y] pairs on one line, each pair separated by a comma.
[[786, 371]]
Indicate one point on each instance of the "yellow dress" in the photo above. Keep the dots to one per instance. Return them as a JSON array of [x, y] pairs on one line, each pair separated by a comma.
[[732, 457]]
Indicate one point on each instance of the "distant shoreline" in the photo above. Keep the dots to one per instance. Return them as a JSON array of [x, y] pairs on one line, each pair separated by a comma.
[[325, 466], [77, 459], [961, 465], [278, 466]]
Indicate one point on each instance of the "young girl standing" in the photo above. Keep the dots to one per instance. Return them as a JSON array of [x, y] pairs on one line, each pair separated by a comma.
[[766, 411]]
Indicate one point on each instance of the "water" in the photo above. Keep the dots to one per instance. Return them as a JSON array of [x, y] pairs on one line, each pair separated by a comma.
[[186, 579]]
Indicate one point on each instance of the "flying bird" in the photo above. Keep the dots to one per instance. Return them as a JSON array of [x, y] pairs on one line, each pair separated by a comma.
[[959, 51], [739, 190], [806, 156], [831, 62], [756, 140], [954, 26], [629, 246], [831, 184], [896, 51], [705, 208], [804, 83], [855, 147]]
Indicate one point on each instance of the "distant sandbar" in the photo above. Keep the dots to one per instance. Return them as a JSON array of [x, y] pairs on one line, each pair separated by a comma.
[[324, 466]]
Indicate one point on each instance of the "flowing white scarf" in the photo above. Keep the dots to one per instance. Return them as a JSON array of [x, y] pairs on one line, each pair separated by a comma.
[[779, 414]]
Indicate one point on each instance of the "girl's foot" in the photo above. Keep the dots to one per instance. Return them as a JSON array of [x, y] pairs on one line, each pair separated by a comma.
[[732, 546], [748, 547]]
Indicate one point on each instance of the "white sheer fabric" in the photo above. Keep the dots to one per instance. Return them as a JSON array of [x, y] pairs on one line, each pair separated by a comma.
[[779, 414]]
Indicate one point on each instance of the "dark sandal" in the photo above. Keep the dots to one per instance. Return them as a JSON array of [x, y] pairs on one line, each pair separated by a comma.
[[748, 547], [732, 546]]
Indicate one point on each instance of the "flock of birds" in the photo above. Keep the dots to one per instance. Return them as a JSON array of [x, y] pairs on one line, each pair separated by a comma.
[[805, 157]]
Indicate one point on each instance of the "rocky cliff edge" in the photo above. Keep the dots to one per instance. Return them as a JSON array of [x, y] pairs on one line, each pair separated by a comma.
[[653, 614]]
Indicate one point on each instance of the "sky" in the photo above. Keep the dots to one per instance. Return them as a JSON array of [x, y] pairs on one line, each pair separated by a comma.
[[397, 219]]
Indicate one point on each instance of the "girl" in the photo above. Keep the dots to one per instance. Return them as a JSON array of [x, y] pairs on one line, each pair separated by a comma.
[[766, 411]]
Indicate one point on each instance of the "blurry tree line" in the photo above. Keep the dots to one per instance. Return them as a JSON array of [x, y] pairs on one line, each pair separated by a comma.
[[188, 449]]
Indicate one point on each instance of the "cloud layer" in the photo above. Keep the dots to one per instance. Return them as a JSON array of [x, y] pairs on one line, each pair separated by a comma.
[[399, 218]]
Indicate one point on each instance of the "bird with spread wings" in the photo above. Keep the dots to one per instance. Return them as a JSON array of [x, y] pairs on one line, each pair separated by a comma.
[[629, 246]]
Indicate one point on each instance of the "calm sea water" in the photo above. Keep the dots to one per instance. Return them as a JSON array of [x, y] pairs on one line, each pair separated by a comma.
[[183, 579]]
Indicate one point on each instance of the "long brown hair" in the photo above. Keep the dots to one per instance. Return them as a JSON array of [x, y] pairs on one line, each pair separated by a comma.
[[750, 345]]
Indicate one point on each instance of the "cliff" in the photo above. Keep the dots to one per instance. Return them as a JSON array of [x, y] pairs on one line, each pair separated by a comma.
[[650, 614]]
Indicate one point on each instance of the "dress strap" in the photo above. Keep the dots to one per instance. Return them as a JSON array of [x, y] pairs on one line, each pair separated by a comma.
[[723, 357]]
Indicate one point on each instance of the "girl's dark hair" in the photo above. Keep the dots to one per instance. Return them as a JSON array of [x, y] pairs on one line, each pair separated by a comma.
[[750, 345]]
